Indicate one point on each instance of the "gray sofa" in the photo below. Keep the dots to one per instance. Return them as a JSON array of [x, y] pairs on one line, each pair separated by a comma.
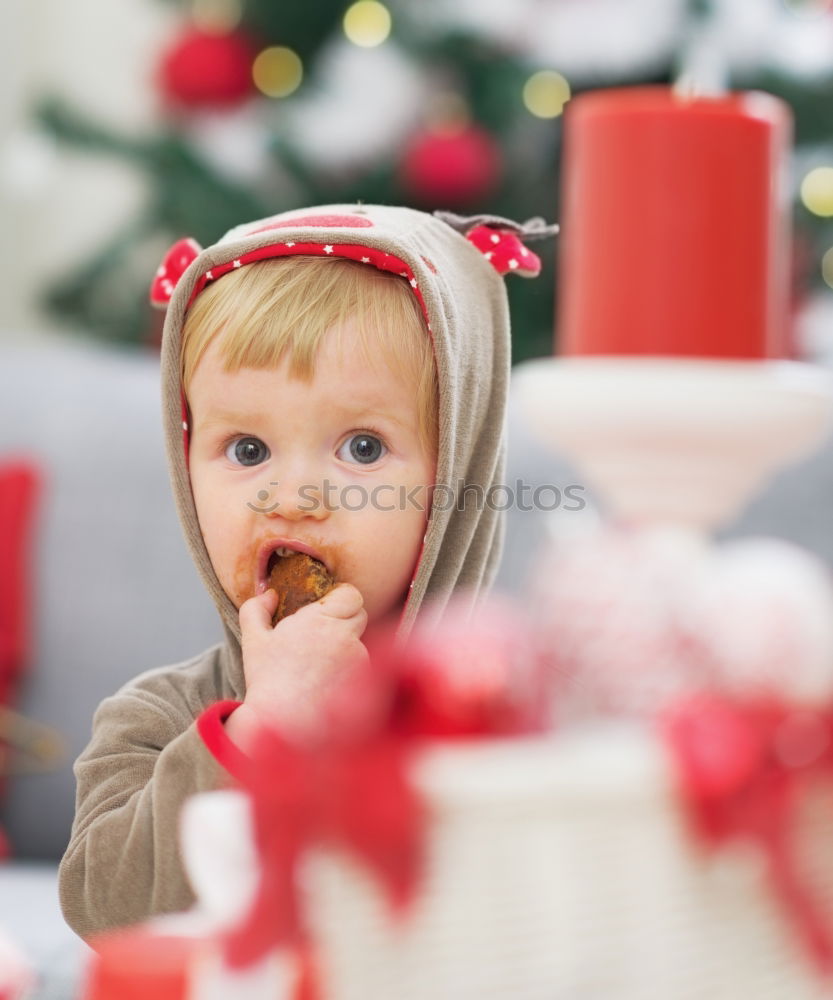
[[115, 591]]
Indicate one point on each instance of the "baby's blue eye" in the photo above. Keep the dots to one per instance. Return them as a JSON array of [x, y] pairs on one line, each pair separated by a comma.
[[247, 451], [363, 448]]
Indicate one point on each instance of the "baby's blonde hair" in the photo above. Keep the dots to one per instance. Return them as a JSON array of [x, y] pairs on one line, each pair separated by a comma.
[[284, 306]]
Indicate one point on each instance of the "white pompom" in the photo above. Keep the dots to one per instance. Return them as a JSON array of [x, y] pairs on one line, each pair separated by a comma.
[[764, 614], [608, 607]]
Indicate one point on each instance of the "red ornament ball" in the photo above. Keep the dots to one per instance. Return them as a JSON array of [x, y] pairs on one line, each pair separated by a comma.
[[451, 167], [201, 69]]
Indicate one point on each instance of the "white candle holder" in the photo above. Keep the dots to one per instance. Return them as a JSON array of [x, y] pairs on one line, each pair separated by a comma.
[[676, 440]]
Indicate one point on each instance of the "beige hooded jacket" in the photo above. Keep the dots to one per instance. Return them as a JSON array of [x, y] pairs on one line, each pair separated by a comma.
[[147, 754]]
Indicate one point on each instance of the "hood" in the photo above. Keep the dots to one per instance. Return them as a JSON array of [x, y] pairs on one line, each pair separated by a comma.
[[464, 301]]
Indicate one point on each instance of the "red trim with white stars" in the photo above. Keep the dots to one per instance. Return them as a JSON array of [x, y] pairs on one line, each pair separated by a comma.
[[364, 255]]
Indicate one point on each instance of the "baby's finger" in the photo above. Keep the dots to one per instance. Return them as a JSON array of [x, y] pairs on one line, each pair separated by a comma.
[[256, 613], [343, 601]]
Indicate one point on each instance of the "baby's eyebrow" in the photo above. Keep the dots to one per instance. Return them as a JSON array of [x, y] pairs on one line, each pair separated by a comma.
[[347, 414], [358, 414], [227, 417]]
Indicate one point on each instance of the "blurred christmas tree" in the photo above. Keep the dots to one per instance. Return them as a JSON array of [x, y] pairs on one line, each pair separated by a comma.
[[450, 104]]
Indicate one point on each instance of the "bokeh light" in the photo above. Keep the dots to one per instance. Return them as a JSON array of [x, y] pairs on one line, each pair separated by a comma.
[[277, 71], [546, 93], [817, 191], [367, 23]]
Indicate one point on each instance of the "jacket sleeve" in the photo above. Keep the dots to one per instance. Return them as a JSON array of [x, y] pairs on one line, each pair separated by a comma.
[[123, 863]]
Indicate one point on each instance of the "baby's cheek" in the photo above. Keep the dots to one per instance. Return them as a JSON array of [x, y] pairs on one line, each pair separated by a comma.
[[243, 577]]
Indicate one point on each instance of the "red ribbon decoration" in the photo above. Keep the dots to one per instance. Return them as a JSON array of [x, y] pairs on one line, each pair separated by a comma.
[[358, 796], [348, 783], [743, 769]]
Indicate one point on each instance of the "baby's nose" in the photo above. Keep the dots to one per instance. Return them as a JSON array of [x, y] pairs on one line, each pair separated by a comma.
[[297, 500]]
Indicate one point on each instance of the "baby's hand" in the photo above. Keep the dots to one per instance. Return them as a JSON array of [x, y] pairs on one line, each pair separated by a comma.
[[289, 668]]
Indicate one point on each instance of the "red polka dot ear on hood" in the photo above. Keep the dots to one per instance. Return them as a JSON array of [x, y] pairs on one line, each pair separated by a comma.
[[505, 252], [502, 241], [175, 263]]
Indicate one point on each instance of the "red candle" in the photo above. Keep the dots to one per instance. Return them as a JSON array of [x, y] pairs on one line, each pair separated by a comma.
[[675, 236]]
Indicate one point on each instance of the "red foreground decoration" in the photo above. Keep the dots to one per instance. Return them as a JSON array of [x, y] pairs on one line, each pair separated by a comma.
[[743, 769]]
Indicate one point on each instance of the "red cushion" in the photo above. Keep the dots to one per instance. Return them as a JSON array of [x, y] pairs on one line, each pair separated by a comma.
[[18, 490], [19, 482]]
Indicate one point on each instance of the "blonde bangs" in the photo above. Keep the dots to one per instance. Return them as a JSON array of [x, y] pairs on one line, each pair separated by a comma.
[[282, 308]]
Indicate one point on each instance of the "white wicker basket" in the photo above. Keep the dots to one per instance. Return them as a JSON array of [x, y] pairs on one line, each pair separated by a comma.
[[563, 869]]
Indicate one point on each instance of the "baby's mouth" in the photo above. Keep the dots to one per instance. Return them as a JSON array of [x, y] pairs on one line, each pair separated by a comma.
[[273, 554], [276, 561], [280, 553], [257, 561]]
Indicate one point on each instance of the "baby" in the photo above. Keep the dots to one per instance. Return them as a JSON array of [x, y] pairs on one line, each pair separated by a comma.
[[304, 437], [324, 374]]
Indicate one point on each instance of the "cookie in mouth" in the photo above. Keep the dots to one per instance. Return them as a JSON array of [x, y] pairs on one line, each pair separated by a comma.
[[298, 580]]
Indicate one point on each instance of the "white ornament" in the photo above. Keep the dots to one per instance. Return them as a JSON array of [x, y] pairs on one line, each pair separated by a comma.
[[235, 143], [352, 119], [775, 34], [565, 34]]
